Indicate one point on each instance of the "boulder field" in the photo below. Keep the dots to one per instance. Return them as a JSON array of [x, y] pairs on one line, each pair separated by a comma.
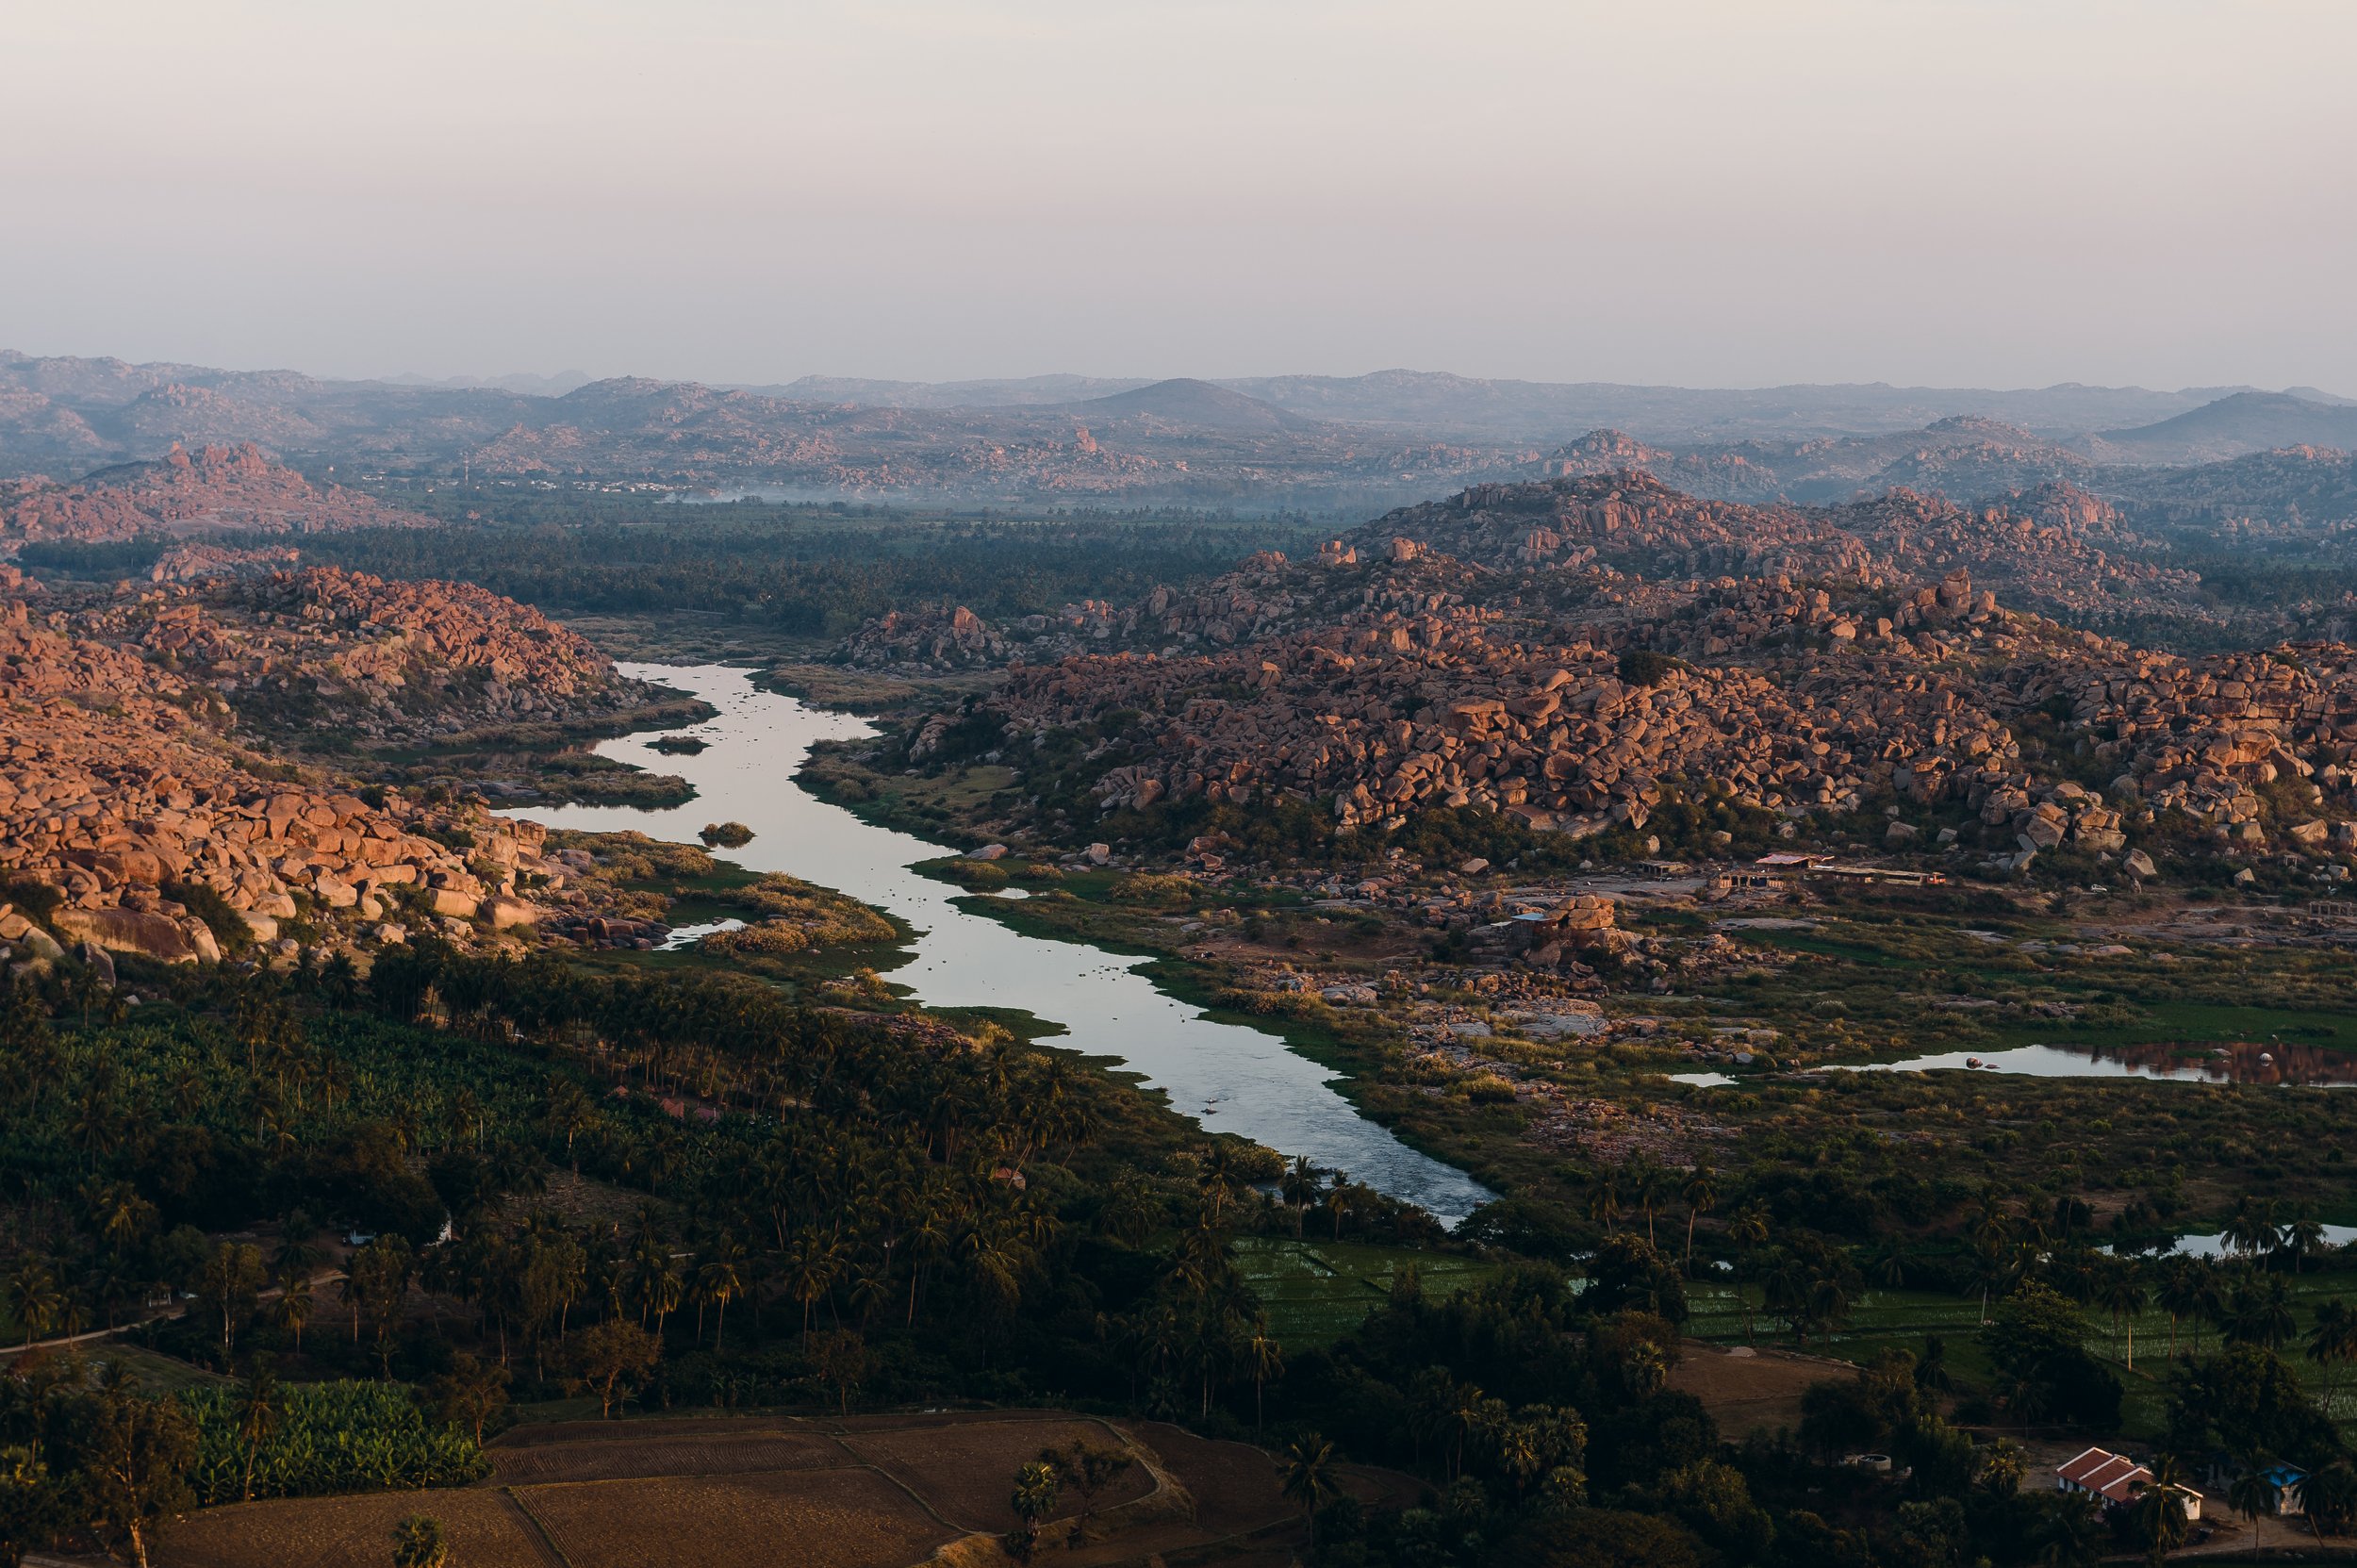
[[1564, 650], [134, 817]]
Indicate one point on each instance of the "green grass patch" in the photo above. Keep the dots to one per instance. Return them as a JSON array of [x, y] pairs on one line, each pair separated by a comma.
[[1318, 1291]]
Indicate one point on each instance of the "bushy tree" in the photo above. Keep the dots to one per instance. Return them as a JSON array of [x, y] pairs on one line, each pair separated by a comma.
[[2246, 1401]]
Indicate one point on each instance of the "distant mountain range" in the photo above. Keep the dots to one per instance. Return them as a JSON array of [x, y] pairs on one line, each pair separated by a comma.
[[1460, 406], [1324, 444]]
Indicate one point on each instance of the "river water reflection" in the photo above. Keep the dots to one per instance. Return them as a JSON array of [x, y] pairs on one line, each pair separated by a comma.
[[1230, 1077], [2240, 1062]]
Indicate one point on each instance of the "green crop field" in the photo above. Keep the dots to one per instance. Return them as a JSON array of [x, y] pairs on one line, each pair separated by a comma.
[[1318, 1291]]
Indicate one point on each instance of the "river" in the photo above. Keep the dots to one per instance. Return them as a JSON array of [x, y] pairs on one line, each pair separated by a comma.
[[1228, 1076]]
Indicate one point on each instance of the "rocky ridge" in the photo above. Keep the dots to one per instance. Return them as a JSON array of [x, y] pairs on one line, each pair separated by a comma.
[[375, 660], [1962, 455], [213, 490], [1501, 651]]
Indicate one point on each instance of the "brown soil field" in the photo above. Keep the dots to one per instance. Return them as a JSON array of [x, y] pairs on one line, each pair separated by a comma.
[[877, 1492], [536, 1434], [1236, 1486], [966, 1471], [1746, 1392], [794, 1519], [484, 1527], [659, 1453]]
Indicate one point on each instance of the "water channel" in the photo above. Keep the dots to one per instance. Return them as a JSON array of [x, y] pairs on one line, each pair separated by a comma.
[[1228, 1077]]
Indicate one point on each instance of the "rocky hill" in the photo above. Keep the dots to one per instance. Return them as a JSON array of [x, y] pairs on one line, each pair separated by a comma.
[[2231, 426], [1198, 404], [212, 490], [2055, 548], [177, 760], [1962, 457], [1576, 653], [316, 656], [2301, 493], [131, 819]]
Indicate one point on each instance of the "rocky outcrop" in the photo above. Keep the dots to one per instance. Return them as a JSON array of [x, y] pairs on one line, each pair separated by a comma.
[[1532, 675], [123, 787], [306, 651], [216, 490], [947, 637]]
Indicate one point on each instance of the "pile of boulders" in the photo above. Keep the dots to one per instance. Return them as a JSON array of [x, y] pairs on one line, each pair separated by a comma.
[[396, 662], [1387, 675], [950, 638], [216, 490], [120, 791]]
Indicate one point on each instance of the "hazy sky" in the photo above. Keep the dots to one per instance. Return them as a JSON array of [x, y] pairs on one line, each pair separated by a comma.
[[1701, 191]]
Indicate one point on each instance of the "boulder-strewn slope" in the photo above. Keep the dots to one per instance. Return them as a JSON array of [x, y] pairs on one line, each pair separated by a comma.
[[1963, 456], [119, 792], [144, 737], [215, 489], [325, 653], [1575, 652]]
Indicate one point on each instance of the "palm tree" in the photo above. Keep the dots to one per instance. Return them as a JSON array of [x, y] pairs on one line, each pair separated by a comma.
[[811, 1267], [1339, 1195], [257, 1415], [1931, 1368], [722, 1281], [120, 1214], [2209, 1299], [1034, 1499], [1309, 1471], [1786, 1290], [2072, 1271], [34, 1299], [2074, 1536], [1749, 1232], [2333, 1343], [1300, 1188], [1646, 1183], [2329, 1498], [2303, 1237], [928, 1241], [2180, 1294], [2254, 1497], [1992, 1273], [1701, 1191], [1890, 1266], [1992, 1227], [2119, 1290], [2025, 1400], [1431, 1396], [2251, 1230], [2260, 1312], [1603, 1200], [2160, 1509], [1462, 1421], [293, 1310], [1265, 1359]]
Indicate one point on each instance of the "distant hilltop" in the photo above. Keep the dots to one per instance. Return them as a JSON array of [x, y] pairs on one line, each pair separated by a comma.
[[1333, 446]]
